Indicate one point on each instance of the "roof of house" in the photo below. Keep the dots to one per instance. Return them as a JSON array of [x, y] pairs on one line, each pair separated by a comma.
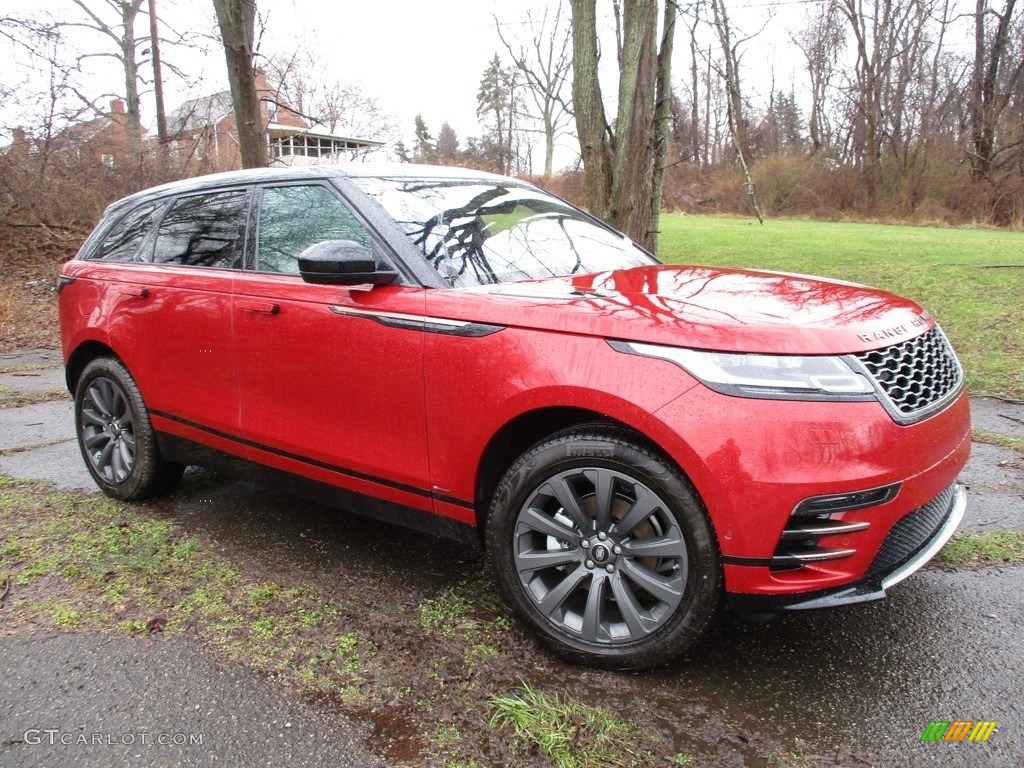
[[80, 133], [195, 114]]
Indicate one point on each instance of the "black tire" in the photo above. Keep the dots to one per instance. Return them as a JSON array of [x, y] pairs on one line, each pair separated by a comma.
[[116, 437], [603, 549]]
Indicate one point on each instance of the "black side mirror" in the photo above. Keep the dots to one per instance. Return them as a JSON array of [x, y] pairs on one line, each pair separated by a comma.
[[342, 262]]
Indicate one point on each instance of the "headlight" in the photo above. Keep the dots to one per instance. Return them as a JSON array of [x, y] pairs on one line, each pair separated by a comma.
[[790, 377]]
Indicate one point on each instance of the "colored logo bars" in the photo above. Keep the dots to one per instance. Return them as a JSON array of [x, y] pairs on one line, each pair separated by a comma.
[[959, 730]]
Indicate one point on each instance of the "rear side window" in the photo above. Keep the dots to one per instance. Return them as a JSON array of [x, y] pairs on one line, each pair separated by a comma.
[[295, 217], [204, 231], [124, 241]]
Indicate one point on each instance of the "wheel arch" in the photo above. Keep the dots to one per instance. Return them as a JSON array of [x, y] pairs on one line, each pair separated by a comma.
[[84, 354], [529, 428]]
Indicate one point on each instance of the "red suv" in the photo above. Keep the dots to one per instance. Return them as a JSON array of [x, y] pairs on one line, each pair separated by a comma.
[[634, 444]]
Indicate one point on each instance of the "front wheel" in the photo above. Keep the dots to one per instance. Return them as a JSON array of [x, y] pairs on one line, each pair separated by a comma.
[[115, 435], [602, 548]]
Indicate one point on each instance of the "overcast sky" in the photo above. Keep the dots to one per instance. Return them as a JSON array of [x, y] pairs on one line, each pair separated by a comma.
[[413, 56]]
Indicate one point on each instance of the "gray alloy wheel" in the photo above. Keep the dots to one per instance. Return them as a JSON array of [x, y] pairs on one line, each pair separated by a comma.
[[602, 547], [116, 437], [107, 430]]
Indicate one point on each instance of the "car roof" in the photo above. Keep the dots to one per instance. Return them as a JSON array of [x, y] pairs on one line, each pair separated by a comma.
[[352, 170]]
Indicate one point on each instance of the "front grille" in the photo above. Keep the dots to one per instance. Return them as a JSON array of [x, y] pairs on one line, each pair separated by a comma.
[[911, 534], [915, 375]]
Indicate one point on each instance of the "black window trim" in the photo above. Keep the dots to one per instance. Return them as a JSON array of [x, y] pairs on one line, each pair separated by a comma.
[[91, 247], [195, 192], [407, 259], [382, 246]]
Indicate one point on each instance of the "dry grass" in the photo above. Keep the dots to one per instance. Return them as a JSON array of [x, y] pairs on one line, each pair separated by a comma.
[[28, 317], [29, 262]]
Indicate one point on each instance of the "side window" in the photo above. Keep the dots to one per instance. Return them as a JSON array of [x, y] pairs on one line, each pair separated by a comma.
[[296, 217], [204, 231], [123, 241]]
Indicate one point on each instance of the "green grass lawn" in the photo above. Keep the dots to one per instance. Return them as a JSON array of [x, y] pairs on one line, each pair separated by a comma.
[[972, 280]]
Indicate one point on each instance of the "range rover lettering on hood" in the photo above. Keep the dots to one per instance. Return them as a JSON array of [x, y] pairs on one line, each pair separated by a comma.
[[923, 320]]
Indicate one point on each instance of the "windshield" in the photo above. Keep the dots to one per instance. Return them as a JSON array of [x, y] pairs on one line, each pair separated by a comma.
[[480, 232]]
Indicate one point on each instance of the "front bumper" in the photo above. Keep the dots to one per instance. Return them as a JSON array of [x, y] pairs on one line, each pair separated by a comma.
[[910, 544]]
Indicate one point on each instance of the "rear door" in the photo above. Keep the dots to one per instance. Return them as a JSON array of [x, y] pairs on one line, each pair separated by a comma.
[[330, 377], [168, 306]]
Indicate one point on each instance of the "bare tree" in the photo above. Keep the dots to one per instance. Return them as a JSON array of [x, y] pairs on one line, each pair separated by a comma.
[[301, 86], [121, 31], [730, 72], [876, 25], [544, 62], [994, 66], [236, 19], [694, 133], [820, 42], [620, 159]]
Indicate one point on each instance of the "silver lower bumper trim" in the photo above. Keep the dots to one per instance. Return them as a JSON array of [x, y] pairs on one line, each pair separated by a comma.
[[944, 534]]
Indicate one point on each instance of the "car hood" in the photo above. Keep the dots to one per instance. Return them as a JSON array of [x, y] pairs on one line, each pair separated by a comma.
[[705, 308]]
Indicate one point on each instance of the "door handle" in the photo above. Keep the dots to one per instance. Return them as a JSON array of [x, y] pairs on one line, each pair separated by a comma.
[[134, 291], [260, 307]]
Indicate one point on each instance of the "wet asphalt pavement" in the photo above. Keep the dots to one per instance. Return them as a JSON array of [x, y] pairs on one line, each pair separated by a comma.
[[853, 687], [84, 699]]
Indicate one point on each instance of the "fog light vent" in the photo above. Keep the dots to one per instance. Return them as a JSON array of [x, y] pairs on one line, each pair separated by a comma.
[[812, 521]]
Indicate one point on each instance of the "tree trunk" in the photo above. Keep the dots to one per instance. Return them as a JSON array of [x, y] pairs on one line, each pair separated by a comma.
[[986, 107], [133, 126], [620, 175], [591, 123], [236, 19], [662, 117], [158, 79], [698, 148], [632, 173]]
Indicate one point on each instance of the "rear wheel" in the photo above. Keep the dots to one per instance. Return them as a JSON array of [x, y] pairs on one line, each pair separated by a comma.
[[116, 437], [603, 549]]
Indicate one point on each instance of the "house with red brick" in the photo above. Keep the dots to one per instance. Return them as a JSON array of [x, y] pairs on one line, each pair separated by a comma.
[[204, 130], [102, 140]]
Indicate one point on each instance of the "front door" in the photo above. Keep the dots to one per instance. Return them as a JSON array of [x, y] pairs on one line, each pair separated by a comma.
[[330, 386]]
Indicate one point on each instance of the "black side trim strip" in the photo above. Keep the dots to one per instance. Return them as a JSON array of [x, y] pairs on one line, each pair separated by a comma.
[[760, 562], [314, 462], [440, 325], [188, 451]]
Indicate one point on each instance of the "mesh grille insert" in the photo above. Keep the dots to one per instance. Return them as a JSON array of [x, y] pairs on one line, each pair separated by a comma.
[[911, 534], [915, 374]]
